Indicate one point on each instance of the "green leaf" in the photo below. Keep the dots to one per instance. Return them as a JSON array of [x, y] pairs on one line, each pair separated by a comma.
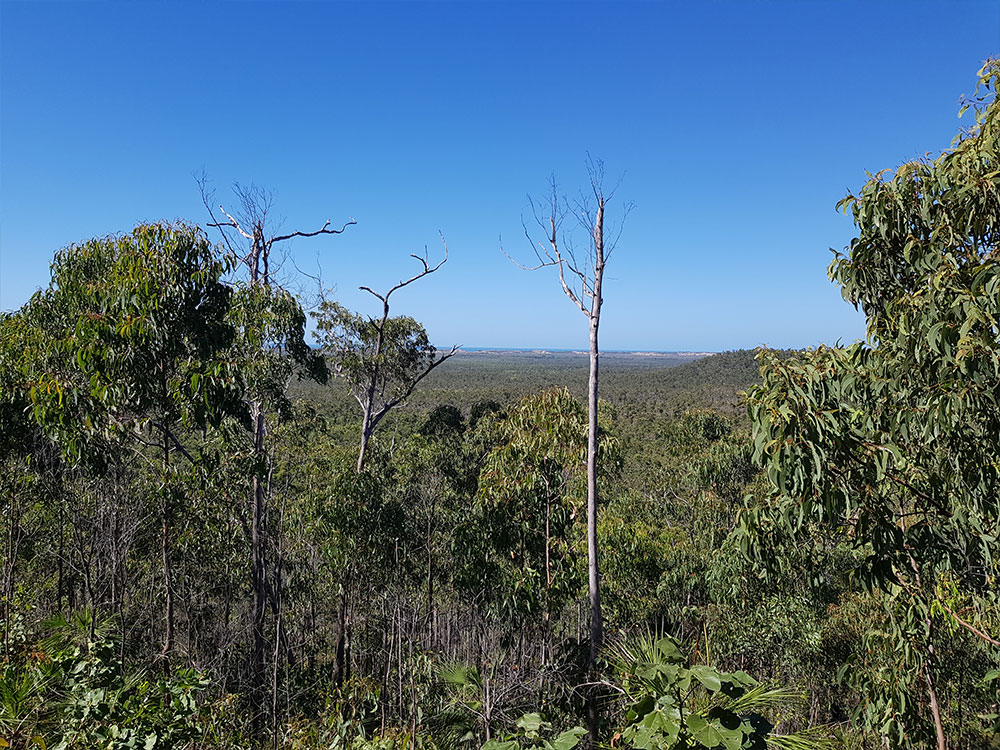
[[568, 739], [530, 722], [708, 677]]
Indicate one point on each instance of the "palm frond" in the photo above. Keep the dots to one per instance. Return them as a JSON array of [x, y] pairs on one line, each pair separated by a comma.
[[815, 738], [765, 697]]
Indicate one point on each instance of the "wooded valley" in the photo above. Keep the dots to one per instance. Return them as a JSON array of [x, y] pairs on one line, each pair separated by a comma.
[[236, 519]]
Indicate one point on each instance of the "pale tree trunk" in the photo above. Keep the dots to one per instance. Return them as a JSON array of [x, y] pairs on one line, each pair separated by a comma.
[[580, 284], [942, 742], [368, 404], [593, 569], [596, 624]]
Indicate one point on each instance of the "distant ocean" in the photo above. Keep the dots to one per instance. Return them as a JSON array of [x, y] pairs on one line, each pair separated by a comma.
[[571, 351]]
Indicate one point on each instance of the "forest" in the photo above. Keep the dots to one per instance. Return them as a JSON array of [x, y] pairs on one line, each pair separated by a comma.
[[236, 518]]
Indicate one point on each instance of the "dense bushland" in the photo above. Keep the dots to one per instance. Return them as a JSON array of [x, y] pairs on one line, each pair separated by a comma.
[[193, 555]]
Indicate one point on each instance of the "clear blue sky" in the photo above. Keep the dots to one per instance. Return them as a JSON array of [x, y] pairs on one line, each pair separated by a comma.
[[737, 126]]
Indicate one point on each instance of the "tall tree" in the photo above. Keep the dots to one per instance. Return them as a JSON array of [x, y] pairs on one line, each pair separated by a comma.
[[271, 344], [892, 442], [582, 280], [128, 349], [383, 359], [531, 489]]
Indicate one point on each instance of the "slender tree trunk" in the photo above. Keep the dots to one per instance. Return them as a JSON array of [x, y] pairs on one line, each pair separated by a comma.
[[343, 654], [278, 630], [430, 573], [258, 581], [942, 742], [369, 402], [168, 640], [930, 664], [593, 569], [8, 580], [365, 436], [546, 616]]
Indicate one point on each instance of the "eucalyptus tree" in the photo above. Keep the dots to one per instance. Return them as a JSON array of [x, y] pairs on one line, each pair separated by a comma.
[[582, 281], [270, 344], [533, 483], [382, 359], [434, 476], [893, 442], [127, 353]]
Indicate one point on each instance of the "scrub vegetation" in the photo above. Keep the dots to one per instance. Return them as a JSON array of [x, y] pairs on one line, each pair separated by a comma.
[[219, 531]]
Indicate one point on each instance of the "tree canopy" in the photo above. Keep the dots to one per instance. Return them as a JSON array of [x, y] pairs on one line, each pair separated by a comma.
[[894, 443]]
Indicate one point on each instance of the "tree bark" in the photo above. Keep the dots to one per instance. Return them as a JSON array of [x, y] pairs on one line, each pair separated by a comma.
[[343, 654], [365, 437], [593, 568], [942, 742]]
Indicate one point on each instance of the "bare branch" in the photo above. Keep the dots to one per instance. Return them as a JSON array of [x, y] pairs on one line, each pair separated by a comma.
[[609, 247], [427, 270], [207, 195], [177, 443], [552, 255], [371, 291], [322, 230], [968, 626], [389, 405], [541, 263], [233, 223]]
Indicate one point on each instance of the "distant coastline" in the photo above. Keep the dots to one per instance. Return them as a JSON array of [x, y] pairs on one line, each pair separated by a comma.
[[630, 352]]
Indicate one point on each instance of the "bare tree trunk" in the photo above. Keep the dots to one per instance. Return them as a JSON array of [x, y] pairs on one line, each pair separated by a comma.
[[168, 640], [366, 434], [430, 572], [278, 631], [942, 743], [343, 654], [593, 571], [929, 665], [8, 581], [580, 284]]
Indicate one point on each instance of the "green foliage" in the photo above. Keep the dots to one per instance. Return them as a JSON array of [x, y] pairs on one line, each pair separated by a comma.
[[269, 346], [526, 537], [530, 736], [350, 340], [892, 444], [674, 705], [69, 691], [126, 339]]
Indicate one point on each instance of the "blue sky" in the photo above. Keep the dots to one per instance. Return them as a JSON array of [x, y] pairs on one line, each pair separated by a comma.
[[737, 127]]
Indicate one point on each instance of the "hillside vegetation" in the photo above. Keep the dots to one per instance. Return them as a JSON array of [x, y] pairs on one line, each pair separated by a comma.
[[217, 536]]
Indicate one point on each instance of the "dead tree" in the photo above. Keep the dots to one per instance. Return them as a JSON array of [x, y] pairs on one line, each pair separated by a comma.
[[582, 281], [249, 238], [383, 359]]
